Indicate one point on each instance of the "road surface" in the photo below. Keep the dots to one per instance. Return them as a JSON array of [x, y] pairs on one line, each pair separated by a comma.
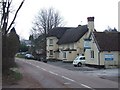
[[49, 76]]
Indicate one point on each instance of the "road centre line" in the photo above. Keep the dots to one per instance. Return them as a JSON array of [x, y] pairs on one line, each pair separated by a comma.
[[85, 85], [38, 67], [43, 69], [61, 76], [77, 82], [68, 78], [53, 73]]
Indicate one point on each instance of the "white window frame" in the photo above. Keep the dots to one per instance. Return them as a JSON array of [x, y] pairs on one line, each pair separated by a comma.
[[51, 53], [50, 42]]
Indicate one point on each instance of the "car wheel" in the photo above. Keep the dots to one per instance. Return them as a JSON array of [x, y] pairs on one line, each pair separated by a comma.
[[75, 65], [79, 64], [45, 61]]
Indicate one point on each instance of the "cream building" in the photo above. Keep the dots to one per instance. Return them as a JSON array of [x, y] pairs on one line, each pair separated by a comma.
[[72, 43], [65, 43], [52, 38], [103, 49]]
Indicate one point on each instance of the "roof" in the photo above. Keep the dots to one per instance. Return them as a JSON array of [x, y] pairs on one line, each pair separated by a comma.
[[107, 41], [73, 35], [57, 32]]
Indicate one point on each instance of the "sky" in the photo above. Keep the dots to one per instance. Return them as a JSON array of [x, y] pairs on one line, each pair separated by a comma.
[[74, 12]]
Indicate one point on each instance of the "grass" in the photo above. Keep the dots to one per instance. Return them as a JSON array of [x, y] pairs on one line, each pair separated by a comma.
[[16, 74], [11, 76], [20, 56]]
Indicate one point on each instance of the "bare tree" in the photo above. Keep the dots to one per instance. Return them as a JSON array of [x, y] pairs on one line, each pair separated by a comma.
[[46, 20], [10, 41], [5, 11]]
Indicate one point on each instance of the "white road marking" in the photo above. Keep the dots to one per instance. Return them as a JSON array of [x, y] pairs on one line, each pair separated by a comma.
[[85, 86], [68, 78], [37, 66], [30, 63], [61, 76], [53, 73], [67, 83], [43, 69]]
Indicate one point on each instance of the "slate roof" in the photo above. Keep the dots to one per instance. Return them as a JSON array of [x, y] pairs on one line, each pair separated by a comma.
[[57, 32], [73, 35], [107, 41]]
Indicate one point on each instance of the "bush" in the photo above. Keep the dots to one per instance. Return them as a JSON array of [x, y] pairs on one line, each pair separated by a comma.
[[10, 46]]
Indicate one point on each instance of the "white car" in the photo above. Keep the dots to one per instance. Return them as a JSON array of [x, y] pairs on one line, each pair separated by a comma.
[[29, 56], [79, 61]]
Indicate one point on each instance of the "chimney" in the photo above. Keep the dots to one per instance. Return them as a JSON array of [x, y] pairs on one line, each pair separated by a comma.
[[90, 24], [79, 25]]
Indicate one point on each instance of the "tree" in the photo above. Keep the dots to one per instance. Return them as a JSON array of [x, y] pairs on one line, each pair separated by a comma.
[[10, 40], [46, 20], [109, 29], [23, 48], [10, 46], [5, 11], [38, 46]]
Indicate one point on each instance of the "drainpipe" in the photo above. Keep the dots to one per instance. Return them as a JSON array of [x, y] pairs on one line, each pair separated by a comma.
[[99, 58]]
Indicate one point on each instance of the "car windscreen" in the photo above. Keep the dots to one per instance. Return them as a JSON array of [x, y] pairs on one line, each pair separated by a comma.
[[82, 58]]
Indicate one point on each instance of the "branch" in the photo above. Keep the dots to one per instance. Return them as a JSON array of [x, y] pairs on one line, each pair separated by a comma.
[[15, 16]]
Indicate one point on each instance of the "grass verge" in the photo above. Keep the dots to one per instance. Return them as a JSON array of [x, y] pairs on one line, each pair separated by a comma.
[[11, 76]]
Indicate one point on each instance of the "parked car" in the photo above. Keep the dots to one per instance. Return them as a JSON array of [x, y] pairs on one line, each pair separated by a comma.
[[29, 56], [79, 61]]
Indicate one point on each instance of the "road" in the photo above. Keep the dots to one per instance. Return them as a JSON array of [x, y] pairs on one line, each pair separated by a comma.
[[50, 76]]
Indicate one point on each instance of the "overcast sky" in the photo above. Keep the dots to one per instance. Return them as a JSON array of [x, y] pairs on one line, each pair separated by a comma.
[[74, 12]]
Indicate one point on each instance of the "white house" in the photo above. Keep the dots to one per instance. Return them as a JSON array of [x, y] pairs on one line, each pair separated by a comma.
[[103, 49]]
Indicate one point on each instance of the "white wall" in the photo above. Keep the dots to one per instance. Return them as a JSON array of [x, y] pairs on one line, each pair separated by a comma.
[[100, 56], [108, 62], [90, 60]]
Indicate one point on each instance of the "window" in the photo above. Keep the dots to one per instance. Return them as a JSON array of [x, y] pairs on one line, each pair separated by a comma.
[[83, 58], [92, 54], [72, 46], [64, 54], [51, 52], [51, 42]]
